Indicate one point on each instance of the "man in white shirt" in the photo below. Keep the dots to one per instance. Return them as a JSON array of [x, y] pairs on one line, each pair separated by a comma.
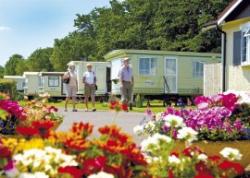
[[89, 80]]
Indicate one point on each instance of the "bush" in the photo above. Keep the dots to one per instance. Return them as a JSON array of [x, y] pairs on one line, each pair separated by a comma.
[[9, 87], [139, 101]]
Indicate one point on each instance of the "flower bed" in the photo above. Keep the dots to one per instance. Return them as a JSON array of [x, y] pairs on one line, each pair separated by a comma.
[[113, 154], [218, 118], [211, 148], [13, 116]]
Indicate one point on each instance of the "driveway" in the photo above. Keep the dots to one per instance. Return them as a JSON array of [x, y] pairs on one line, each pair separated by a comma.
[[125, 120]]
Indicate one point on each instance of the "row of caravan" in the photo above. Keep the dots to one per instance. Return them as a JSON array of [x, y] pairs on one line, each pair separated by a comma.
[[155, 73]]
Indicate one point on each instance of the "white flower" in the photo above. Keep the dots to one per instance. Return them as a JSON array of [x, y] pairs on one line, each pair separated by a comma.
[[11, 172], [33, 175], [158, 116], [174, 160], [152, 159], [154, 140], [231, 153], [173, 121], [202, 157], [187, 133], [150, 125], [48, 160], [138, 130], [101, 175]]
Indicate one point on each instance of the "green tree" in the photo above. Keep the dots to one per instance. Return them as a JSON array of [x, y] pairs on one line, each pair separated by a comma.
[[12, 63], [76, 46], [1, 71], [21, 67], [39, 60]]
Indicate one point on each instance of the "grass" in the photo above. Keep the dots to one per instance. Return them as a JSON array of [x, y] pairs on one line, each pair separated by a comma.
[[156, 106]]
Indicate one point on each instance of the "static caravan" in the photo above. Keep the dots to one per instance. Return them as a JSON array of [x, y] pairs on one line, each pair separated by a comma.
[[162, 72], [51, 82], [212, 81], [33, 83], [102, 70], [20, 81]]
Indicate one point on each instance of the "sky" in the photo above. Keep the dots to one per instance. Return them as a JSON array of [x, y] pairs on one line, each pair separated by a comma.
[[26, 25]]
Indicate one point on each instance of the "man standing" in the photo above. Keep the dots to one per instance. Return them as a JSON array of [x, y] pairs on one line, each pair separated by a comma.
[[127, 82], [89, 80]]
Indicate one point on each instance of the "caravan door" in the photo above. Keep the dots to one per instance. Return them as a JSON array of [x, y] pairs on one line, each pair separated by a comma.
[[170, 75]]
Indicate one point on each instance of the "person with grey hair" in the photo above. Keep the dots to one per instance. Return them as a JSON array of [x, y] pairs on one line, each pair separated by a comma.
[[127, 82], [89, 81], [70, 80]]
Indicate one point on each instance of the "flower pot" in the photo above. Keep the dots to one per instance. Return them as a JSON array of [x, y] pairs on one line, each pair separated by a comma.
[[214, 148]]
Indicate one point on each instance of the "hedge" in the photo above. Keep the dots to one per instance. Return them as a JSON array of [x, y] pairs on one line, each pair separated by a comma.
[[9, 87]]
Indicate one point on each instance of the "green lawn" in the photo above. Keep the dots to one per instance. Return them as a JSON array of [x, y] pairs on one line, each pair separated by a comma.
[[156, 106]]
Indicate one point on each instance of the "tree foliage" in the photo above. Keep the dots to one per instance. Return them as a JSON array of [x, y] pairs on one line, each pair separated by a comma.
[[39, 60], [1, 71], [174, 25], [12, 63]]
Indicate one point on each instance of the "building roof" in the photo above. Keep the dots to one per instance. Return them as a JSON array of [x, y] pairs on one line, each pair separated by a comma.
[[30, 73], [125, 52], [51, 73], [229, 9], [13, 77]]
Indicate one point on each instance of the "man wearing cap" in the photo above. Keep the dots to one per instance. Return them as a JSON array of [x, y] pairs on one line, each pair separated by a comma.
[[71, 87], [127, 81], [89, 80]]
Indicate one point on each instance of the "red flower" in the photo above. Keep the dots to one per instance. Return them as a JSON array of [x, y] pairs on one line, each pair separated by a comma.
[[114, 133], [189, 151], [215, 159], [175, 154], [203, 175], [229, 101], [225, 165], [82, 129], [26, 131], [75, 144], [170, 173], [201, 167], [124, 107], [93, 165], [4, 152], [72, 170], [43, 127], [52, 109]]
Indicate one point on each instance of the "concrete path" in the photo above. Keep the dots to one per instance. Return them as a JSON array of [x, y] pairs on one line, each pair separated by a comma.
[[125, 120]]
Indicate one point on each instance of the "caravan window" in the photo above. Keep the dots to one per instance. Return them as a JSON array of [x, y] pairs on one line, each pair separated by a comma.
[[197, 69], [147, 66], [53, 81]]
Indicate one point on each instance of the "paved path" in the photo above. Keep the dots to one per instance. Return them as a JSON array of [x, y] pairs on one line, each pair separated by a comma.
[[126, 120]]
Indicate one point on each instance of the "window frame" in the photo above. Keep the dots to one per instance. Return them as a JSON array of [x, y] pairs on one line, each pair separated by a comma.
[[245, 46], [152, 70], [57, 78], [197, 73]]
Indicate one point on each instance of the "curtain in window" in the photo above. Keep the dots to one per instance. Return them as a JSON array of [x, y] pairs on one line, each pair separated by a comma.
[[144, 66]]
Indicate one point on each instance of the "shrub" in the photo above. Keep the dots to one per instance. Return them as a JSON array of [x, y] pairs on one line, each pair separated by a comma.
[[9, 87]]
